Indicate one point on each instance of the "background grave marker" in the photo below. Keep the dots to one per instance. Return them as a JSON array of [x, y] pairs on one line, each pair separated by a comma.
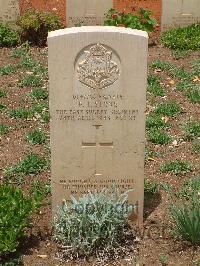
[[87, 12], [180, 13]]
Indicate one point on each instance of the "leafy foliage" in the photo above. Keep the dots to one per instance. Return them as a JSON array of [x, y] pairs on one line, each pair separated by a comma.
[[96, 221], [192, 130], [2, 106], [8, 37], [196, 146], [6, 70], [21, 113], [187, 220], [190, 188], [177, 167], [186, 38], [31, 80], [39, 94], [35, 25], [39, 192], [168, 109], [194, 95], [37, 136], [31, 164], [157, 136], [15, 210], [4, 129], [155, 121], [179, 54], [142, 20], [154, 86], [2, 93]]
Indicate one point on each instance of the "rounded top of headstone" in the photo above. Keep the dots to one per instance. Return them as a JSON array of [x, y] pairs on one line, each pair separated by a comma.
[[95, 29]]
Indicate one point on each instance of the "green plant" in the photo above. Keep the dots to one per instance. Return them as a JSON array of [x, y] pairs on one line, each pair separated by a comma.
[[8, 37], [157, 136], [163, 259], [194, 95], [21, 113], [28, 62], [15, 211], [186, 38], [196, 146], [190, 188], [197, 262], [39, 94], [39, 192], [151, 189], [2, 106], [141, 20], [41, 110], [94, 222], [162, 65], [171, 69], [187, 220], [178, 72], [6, 70], [37, 136], [35, 25], [179, 54], [45, 116], [21, 51], [177, 167], [4, 129], [168, 109], [192, 130], [155, 121], [154, 86], [31, 80], [2, 93], [196, 67], [184, 85], [31, 164], [33, 65]]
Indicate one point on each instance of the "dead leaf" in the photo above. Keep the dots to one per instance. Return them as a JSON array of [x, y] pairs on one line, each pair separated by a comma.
[[196, 79], [152, 159], [42, 256], [171, 82], [165, 119]]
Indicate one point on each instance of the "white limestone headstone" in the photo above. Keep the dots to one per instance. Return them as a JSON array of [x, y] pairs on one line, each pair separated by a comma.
[[87, 12], [9, 10], [97, 104], [179, 13]]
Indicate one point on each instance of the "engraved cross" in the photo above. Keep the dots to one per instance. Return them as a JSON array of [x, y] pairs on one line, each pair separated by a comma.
[[97, 145]]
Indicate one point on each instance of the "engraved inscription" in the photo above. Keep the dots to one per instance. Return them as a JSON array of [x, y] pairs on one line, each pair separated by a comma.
[[97, 70]]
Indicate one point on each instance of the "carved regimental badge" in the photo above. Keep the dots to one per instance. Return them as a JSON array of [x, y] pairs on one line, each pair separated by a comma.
[[97, 70]]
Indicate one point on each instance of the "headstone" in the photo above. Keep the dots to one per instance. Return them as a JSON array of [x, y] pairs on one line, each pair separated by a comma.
[[180, 13], [87, 12], [97, 105], [9, 10]]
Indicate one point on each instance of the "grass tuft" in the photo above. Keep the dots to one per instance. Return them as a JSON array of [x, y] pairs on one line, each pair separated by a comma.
[[169, 109], [177, 167]]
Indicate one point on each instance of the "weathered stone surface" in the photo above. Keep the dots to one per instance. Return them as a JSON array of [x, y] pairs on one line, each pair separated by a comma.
[[9, 10], [180, 13], [87, 12], [97, 105]]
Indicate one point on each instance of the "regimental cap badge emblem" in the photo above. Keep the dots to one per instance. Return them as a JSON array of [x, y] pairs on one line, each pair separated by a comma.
[[97, 70]]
